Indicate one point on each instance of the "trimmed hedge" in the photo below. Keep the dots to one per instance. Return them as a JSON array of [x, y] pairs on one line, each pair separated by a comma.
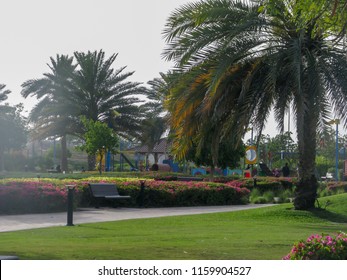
[[31, 197], [174, 193], [49, 195]]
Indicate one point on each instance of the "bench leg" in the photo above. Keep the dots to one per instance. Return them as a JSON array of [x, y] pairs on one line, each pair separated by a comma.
[[115, 205], [97, 203]]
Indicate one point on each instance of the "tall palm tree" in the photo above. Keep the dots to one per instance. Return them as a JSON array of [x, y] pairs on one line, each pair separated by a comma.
[[104, 94], [90, 88], [286, 56], [53, 116], [154, 124]]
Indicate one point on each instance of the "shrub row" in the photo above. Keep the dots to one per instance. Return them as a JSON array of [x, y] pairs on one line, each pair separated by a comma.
[[27, 196], [174, 193], [31, 197]]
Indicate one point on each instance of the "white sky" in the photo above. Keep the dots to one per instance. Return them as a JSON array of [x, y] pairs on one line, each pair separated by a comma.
[[32, 31]]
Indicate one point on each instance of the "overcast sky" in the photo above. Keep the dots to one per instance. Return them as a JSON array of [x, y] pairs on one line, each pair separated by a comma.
[[32, 31]]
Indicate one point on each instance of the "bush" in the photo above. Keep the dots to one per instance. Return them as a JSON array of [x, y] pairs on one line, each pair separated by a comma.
[[265, 184], [255, 193], [269, 196], [173, 193], [31, 197], [287, 195], [320, 247], [260, 200], [337, 187], [50, 195]]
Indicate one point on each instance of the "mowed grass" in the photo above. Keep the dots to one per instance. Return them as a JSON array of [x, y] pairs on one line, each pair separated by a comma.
[[265, 233]]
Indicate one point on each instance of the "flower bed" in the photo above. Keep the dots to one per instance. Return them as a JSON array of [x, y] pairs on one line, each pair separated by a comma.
[[320, 247], [28, 196], [337, 187], [173, 193], [31, 197]]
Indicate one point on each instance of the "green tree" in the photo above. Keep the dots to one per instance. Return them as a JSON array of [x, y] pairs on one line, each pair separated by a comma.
[[284, 58], [228, 155], [12, 130], [99, 138], [281, 149], [154, 123]]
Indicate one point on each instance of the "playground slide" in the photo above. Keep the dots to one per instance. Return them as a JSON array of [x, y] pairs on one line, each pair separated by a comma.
[[128, 161], [265, 169]]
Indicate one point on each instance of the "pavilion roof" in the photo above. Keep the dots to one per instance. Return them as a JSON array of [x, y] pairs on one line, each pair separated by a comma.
[[160, 147]]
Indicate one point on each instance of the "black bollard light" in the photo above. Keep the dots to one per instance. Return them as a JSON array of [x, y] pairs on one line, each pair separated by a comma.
[[70, 194], [142, 192]]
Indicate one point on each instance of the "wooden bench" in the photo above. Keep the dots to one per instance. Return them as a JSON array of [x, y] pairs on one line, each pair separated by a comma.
[[108, 191]]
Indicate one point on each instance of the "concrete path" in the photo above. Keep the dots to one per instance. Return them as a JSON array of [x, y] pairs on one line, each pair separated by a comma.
[[92, 215]]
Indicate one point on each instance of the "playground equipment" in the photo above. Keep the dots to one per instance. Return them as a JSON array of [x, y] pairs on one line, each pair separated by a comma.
[[265, 170], [128, 161], [174, 166]]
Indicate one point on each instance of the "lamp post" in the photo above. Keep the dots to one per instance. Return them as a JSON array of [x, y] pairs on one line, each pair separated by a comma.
[[142, 192], [70, 195]]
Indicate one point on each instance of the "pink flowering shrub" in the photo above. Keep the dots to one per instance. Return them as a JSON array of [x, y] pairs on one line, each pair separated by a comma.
[[336, 187], [175, 193], [19, 197], [320, 247], [49, 195]]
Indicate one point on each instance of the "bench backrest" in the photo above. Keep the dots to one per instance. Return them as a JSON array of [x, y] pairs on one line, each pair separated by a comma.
[[101, 190]]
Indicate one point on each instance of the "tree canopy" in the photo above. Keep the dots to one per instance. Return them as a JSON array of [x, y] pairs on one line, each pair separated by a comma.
[[99, 139], [241, 59], [13, 134]]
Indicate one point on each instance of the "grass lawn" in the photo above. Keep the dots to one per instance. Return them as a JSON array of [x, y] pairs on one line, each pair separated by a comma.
[[266, 233]]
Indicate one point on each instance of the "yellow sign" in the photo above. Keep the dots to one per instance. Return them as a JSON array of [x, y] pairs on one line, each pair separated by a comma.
[[251, 155]]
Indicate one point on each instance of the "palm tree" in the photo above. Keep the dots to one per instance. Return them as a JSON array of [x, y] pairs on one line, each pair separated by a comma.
[[154, 124], [90, 88], [53, 116], [104, 94], [285, 56]]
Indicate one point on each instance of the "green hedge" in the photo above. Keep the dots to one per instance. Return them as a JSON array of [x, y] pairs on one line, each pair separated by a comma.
[[174, 193], [50, 195]]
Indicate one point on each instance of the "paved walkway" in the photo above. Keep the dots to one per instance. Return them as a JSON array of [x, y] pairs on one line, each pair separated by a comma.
[[92, 215]]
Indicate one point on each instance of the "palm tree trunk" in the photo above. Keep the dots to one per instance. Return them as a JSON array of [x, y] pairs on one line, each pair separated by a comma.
[[306, 189], [212, 172], [64, 162]]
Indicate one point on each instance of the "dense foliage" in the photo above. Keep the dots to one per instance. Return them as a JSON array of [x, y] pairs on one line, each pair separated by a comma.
[[47, 195], [22, 197], [242, 59], [12, 127], [99, 139], [320, 247]]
